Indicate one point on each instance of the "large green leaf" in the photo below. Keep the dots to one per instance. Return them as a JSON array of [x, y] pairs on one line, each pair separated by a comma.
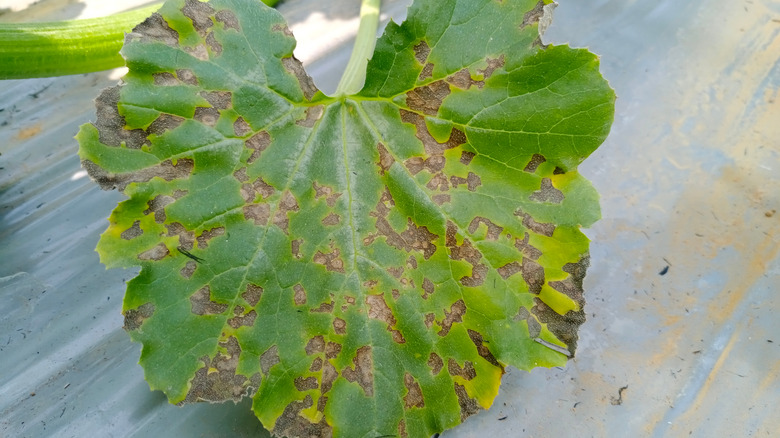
[[362, 265]]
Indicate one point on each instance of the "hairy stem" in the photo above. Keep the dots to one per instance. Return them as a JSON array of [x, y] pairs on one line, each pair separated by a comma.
[[354, 76]]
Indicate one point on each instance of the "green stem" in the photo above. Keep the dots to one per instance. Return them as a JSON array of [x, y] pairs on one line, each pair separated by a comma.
[[37, 50], [354, 76]]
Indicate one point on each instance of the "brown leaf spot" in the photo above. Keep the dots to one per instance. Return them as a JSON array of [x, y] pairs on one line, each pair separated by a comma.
[[283, 29], [533, 274], [527, 249], [441, 199], [111, 125], [533, 16], [315, 345], [547, 193], [378, 309], [370, 284], [421, 51], [316, 365], [536, 161], [299, 295], [438, 182], [415, 165], [331, 219], [259, 187], [187, 76], [396, 271], [465, 251], [295, 67], [428, 98], [165, 79], [493, 230], [332, 350], [340, 326], [413, 238], [362, 373], [259, 213], [326, 307], [241, 176], [157, 206], [457, 310], [247, 320], [295, 247], [428, 288], [257, 144], [188, 269], [207, 116], [536, 227], [411, 262], [385, 159], [199, 52], [206, 236], [228, 18], [435, 363], [564, 327], [492, 65], [396, 294], [287, 204], [329, 375], [292, 424], [462, 79], [426, 72], [325, 192], [220, 100], [268, 359], [132, 232], [214, 45], [331, 261], [313, 113], [200, 14], [482, 349], [472, 181], [241, 127], [166, 122], [467, 372], [157, 253], [414, 396], [202, 304], [134, 318], [468, 406], [509, 270], [186, 237], [222, 384], [402, 429], [306, 383], [155, 28], [466, 157], [478, 275], [252, 294], [165, 170], [429, 318]]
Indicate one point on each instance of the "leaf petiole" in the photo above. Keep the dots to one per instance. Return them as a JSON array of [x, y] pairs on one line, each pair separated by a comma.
[[355, 74]]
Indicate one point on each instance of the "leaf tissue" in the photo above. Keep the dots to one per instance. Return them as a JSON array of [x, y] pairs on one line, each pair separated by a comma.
[[360, 265]]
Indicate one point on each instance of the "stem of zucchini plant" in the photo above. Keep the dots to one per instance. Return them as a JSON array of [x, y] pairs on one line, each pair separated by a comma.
[[38, 50], [354, 76]]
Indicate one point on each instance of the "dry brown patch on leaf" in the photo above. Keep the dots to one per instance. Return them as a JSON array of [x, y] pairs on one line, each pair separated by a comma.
[[326, 307], [426, 72], [537, 227], [214, 45], [462, 79], [206, 236], [111, 125], [202, 304], [295, 67], [527, 249], [362, 372], [228, 18], [457, 310], [572, 285], [313, 113], [332, 261], [533, 274], [240, 320], [241, 127], [428, 98], [429, 319], [165, 122], [493, 230], [385, 159], [414, 396], [220, 100], [482, 349], [206, 115], [564, 327], [411, 262], [378, 309], [438, 182], [259, 213], [306, 383], [287, 204], [222, 384], [396, 272], [269, 358], [295, 248], [468, 406], [132, 232], [493, 64], [432, 147], [257, 144], [316, 365], [165, 79], [154, 28], [413, 238], [428, 288], [252, 294], [134, 318], [188, 269], [421, 51], [332, 349], [315, 345], [299, 295], [157, 253], [533, 16], [157, 206], [186, 237], [165, 170], [467, 252], [547, 193], [327, 193], [536, 161], [340, 326], [199, 52], [467, 372], [292, 424], [259, 187], [509, 270], [466, 157], [472, 181], [402, 429], [441, 199], [435, 363], [331, 219], [283, 29], [187, 76], [329, 375], [200, 14]]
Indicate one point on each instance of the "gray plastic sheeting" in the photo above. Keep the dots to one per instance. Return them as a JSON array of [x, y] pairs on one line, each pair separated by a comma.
[[683, 337]]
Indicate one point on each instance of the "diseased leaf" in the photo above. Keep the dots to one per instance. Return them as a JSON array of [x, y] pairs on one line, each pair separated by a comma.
[[363, 265]]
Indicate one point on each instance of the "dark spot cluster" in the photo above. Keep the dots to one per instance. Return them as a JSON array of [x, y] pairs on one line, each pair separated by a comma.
[[222, 384]]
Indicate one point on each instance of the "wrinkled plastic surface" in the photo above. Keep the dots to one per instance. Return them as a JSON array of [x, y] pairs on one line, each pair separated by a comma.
[[682, 292]]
